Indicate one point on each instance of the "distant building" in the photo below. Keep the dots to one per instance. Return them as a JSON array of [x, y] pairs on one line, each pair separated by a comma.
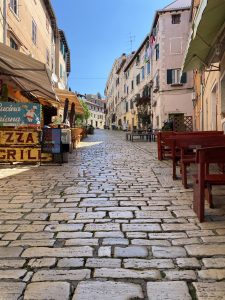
[[97, 109]]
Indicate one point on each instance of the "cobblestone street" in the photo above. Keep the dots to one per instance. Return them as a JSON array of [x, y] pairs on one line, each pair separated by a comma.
[[110, 224]]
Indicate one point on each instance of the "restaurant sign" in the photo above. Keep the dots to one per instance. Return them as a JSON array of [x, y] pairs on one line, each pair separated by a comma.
[[17, 114], [23, 155]]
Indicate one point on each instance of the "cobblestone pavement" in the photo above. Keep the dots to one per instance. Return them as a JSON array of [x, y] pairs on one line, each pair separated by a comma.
[[110, 224]]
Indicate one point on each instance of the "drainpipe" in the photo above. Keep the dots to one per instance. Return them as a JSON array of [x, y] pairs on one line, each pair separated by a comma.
[[4, 22]]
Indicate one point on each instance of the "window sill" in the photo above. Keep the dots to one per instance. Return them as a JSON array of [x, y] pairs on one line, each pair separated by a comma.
[[177, 84]]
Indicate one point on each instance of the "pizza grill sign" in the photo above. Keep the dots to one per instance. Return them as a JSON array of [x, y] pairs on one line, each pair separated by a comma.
[[17, 114]]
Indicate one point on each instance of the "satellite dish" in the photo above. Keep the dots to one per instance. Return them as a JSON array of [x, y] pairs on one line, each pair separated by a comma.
[[54, 78], [61, 86]]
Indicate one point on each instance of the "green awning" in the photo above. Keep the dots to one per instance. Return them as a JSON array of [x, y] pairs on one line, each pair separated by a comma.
[[208, 25]]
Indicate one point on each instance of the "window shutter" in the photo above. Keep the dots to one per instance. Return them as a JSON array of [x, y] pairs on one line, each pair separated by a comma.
[[184, 78], [169, 76]]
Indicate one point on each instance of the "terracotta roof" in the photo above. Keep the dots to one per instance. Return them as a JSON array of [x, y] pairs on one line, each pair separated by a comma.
[[178, 4]]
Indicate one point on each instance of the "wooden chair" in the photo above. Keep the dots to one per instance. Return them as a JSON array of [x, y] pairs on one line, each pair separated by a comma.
[[206, 178]]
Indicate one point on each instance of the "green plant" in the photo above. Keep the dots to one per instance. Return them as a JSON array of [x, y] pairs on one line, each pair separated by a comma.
[[87, 112]]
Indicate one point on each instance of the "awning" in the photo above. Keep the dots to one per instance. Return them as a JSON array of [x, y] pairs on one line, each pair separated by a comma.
[[72, 97], [208, 25], [29, 74]]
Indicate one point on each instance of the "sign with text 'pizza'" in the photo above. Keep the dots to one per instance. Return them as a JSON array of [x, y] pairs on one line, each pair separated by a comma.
[[19, 137]]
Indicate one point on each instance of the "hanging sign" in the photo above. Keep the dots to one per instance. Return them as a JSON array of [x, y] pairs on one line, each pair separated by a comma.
[[19, 114]]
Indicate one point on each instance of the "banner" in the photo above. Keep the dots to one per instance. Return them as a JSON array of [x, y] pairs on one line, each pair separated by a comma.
[[18, 114]]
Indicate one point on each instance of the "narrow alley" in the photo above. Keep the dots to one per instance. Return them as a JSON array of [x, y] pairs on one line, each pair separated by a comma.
[[110, 224]]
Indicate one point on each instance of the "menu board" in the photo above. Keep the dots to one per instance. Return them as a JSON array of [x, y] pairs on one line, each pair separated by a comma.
[[51, 140]]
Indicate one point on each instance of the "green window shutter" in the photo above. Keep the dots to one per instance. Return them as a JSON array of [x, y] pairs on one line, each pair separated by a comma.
[[183, 78], [169, 76]]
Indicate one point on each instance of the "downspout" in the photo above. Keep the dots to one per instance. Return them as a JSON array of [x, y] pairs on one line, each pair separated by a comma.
[[4, 22]]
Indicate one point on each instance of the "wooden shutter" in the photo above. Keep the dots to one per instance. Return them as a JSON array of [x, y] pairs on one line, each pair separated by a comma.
[[183, 78], [169, 76]]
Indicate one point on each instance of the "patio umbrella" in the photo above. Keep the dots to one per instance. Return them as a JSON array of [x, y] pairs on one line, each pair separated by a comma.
[[72, 115], [65, 111]]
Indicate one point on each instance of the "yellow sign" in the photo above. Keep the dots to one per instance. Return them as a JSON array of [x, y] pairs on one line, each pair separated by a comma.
[[18, 137], [23, 155]]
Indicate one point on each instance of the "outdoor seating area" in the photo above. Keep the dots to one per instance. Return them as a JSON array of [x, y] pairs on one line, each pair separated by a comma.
[[201, 148], [142, 135]]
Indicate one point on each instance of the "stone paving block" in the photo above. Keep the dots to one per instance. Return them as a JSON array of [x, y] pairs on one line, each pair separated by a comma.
[[175, 290], [121, 215], [102, 227], [73, 235], [62, 216], [212, 274], [131, 251], [12, 263], [47, 291], [9, 274], [188, 241], [146, 242], [168, 252], [217, 262], [96, 290], [104, 251], [7, 252], [42, 262], [82, 242], [85, 251], [187, 275], [97, 203], [32, 243], [188, 263], [70, 262], [103, 263], [11, 290], [210, 291], [64, 227], [91, 215], [179, 227], [141, 227], [7, 228], [37, 235], [30, 228], [61, 275], [115, 241], [109, 234], [126, 273], [205, 250], [148, 263], [153, 214]]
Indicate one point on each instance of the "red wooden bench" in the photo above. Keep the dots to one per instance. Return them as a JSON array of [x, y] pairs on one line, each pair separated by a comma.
[[205, 178], [164, 149], [180, 144]]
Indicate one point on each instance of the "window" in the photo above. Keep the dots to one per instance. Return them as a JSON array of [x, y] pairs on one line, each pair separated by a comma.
[[47, 22], [127, 108], [132, 84], [14, 6], [138, 79], [143, 73], [34, 32], [176, 19], [127, 90], [137, 59], [131, 104], [174, 76], [47, 57], [148, 68], [62, 49], [157, 51], [124, 88], [13, 44], [61, 71]]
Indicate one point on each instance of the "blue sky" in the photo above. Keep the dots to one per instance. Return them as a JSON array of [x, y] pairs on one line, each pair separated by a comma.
[[98, 31]]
